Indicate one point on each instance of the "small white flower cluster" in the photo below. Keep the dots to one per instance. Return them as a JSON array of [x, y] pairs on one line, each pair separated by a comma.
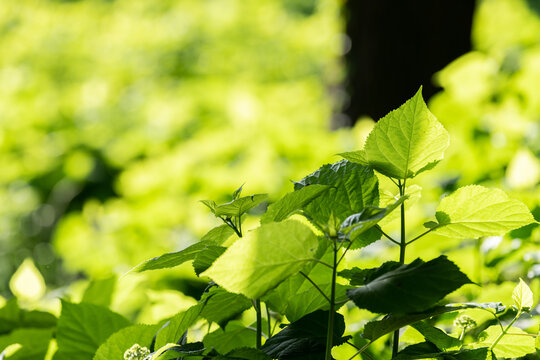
[[136, 352]]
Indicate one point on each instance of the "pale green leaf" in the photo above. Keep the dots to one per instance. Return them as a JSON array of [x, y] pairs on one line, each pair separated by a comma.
[[235, 335], [523, 296], [513, 344], [474, 211], [291, 202], [358, 157], [239, 206], [177, 326], [264, 258], [407, 141]]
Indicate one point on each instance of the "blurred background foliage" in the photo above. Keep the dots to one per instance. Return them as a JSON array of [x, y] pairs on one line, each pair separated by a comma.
[[118, 116]]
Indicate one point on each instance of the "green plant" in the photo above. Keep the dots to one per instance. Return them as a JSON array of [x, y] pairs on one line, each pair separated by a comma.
[[292, 265]]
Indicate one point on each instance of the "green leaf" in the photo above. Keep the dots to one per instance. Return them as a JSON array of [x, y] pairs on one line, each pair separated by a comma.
[[244, 354], [214, 237], [117, 344], [363, 276], [407, 141], [292, 202], [356, 224], [438, 337], [239, 206], [353, 187], [235, 335], [358, 157], [513, 345], [34, 343], [409, 288], [413, 193], [305, 338], [177, 326], [474, 211], [237, 192], [375, 329], [264, 258], [220, 305], [427, 350], [100, 291], [206, 257], [82, 328], [523, 296], [12, 317]]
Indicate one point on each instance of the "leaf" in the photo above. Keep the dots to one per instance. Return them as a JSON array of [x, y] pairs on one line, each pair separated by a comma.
[[264, 257], [34, 343], [363, 276], [305, 338], [512, 345], [117, 344], [12, 317], [244, 354], [427, 350], [353, 187], [406, 141], [523, 296], [410, 288], [216, 236], [357, 224], [358, 157], [177, 326], [220, 305], [206, 257], [414, 193], [436, 336], [237, 192], [474, 211], [82, 328], [99, 292], [375, 329], [292, 202], [235, 335], [239, 206]]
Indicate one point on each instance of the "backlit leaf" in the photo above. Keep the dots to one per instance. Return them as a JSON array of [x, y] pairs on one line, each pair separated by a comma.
[[512, 345], [474, 211], [523, 296], [264, 258], [117, 344], [406, 141]]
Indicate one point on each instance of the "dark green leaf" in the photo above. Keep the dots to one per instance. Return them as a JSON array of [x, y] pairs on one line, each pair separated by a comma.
[[410, 288], [12, 317], [305, 338], [206, 257], [427, 350], [82, 328], [436, 336], [353, 188], [363, 276], [221, 306], [292, 202], [244, 354]]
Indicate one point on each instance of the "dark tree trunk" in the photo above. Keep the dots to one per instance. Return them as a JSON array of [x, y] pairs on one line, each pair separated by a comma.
[[398, 46]]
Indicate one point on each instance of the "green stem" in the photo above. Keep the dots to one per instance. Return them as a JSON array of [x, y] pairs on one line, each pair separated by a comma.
[[315, 285], [268, 321], [259, 323], [387, 236], [422, 234], [402, 247], [330, 333], [504, 331]]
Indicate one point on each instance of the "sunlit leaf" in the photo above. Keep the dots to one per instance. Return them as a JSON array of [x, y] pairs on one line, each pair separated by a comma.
[[512, 345], [474, 211], [265, 257], [117, 344], [239, 206], [292, 202], [220, 305], [523, 296], [235, 335], [177, 326], [407, 141]]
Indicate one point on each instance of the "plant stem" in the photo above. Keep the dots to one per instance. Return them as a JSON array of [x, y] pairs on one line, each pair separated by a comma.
[[316, 286], [268, 321], [360, 350], [387, 236], [504, 331], [330, 333], [402, 247], [422, 234], [259, 323]]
